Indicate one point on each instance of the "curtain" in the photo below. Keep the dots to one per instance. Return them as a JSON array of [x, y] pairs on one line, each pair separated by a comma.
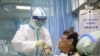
[[75, 5], [61, 20]]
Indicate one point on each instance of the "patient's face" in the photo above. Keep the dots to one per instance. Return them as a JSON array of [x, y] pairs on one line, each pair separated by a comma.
[[64, 44]]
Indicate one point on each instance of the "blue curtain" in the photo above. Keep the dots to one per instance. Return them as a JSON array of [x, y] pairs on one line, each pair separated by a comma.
[[76, 24], [59, 19]]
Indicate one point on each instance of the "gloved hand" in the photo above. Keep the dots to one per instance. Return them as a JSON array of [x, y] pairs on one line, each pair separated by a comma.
[[40, 43]]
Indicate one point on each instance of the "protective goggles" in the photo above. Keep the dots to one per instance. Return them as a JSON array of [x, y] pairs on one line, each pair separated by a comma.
[[40, 17]]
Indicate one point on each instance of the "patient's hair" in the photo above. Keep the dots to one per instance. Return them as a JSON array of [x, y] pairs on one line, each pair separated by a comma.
[[72, 35]]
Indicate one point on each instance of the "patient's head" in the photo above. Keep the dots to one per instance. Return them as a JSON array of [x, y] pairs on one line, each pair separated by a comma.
[[68, 41]]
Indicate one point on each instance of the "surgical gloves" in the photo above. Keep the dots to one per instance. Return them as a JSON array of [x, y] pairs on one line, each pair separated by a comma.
[[40, 43]]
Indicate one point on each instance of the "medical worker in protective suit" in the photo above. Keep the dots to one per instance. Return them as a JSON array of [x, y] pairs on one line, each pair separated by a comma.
[[87, 43], [33, 39]]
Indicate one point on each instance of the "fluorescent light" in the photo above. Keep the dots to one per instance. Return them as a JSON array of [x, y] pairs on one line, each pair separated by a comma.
[[23, 7]]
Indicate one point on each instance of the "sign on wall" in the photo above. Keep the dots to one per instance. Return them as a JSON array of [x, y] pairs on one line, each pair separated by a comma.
[[89, 21]]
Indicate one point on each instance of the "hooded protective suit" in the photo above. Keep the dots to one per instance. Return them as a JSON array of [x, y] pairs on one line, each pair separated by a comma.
[[87, 43], [27, 36]]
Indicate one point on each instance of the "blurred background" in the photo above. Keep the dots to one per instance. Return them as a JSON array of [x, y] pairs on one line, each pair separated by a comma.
[[62, 14]]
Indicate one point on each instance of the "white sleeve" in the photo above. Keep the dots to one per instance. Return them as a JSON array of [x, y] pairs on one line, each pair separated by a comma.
[[20, 43], [47, 37]]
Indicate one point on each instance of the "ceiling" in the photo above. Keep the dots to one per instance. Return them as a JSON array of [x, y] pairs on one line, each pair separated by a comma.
[[7, 8]]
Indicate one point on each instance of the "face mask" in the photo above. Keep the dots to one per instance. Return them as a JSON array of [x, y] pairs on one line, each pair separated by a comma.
[[39, 24]]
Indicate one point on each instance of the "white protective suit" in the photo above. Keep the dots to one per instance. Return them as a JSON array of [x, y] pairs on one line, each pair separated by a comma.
[[25, 38], [86, 44]]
